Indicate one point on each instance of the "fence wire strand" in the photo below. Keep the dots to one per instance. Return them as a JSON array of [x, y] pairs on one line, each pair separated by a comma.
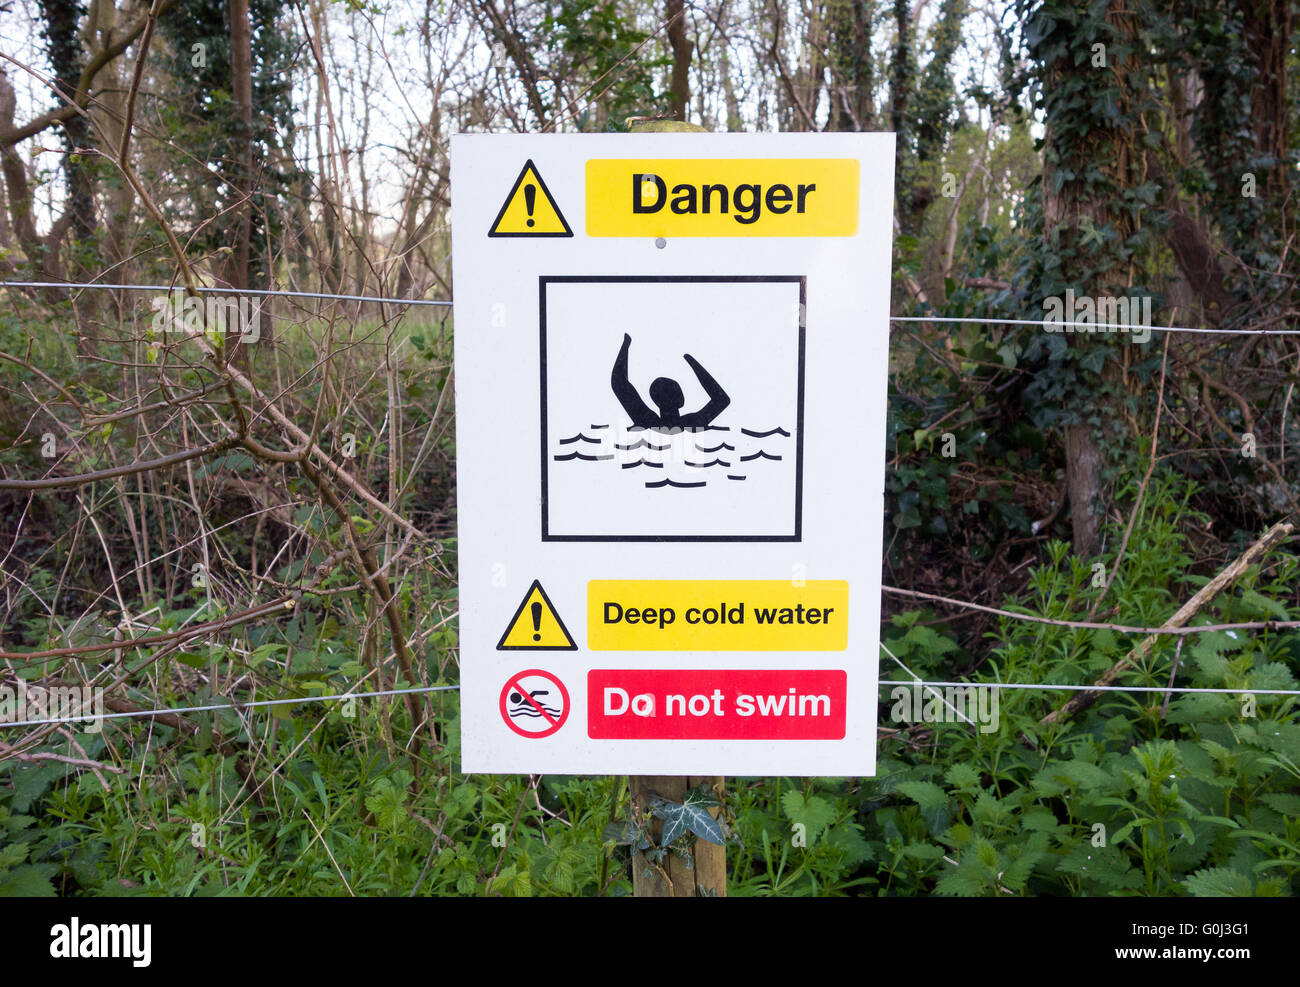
[[205, 289], [268, 292], [883, 683]]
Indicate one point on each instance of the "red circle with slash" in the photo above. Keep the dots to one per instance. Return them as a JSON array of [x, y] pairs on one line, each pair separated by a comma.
[[523, 707]]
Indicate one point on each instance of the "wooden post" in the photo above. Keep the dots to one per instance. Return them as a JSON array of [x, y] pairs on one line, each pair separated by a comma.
[[673, 878]]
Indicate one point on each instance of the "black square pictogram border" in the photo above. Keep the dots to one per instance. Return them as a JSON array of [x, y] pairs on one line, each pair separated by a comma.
[[799, 279]]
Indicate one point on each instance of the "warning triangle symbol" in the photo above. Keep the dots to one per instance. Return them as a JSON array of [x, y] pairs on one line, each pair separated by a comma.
[[530, 209], [536, 626]]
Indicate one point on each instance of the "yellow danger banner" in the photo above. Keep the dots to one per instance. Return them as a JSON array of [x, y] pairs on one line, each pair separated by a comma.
[[722, 197], [717, 615]]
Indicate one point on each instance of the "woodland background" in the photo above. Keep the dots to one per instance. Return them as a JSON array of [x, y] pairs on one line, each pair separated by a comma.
[[217, 520]]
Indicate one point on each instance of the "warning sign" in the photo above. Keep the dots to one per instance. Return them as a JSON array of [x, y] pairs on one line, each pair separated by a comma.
[[536, 625], [671, 388], [534, 703], [529, 209]]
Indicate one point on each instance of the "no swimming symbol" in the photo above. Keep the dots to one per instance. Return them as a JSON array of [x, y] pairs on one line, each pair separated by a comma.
[[534, 703]]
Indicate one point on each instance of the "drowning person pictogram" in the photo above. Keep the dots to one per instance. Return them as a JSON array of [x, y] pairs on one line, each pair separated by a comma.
[[666, 393]]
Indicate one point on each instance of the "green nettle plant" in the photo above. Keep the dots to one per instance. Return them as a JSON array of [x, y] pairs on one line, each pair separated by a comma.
[[1139, 794]]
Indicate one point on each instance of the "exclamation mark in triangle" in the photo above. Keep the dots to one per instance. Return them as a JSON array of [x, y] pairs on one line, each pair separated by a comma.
[[536, 626], [530, 209]]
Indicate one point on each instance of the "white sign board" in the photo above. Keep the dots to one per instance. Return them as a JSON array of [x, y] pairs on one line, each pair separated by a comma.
[[671, 362]]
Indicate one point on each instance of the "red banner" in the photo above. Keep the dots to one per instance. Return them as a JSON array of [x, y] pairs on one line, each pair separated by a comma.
[[715, 704]]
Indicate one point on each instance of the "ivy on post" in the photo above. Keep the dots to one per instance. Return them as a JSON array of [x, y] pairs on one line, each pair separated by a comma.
[[678, 843]]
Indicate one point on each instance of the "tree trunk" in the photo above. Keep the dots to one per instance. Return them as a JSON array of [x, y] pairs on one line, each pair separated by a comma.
[[1083, 483], [1077, 208], [1268, 32], [241, 88], [679, 88], [852, 78], [240, 268], [64, 48], [63, 45], [735, 122], [18, 191], [899, 85]]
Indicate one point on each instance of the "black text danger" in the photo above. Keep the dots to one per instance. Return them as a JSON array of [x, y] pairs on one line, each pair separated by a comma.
[[744, 202]]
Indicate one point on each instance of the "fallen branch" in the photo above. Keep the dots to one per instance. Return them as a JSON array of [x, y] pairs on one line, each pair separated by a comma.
[[991, 284], [1090, 625], [1275, 535], [283, 420], [127, 643], [81, 479], [76, 762]]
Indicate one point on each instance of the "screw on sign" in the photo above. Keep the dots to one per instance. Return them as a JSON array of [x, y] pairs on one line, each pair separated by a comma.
[[534, 703]]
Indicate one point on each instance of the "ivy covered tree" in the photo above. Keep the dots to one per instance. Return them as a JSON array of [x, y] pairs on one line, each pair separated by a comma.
[[59, 30], [1094, 75], [1165, 173], [587, 62], [233, 110]]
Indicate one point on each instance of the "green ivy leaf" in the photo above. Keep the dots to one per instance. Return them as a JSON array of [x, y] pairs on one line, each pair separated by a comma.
[[626, 833], [679, 817]]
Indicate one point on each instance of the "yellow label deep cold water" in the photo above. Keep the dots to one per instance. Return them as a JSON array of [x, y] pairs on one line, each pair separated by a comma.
[[722, 197], [717, 615]]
